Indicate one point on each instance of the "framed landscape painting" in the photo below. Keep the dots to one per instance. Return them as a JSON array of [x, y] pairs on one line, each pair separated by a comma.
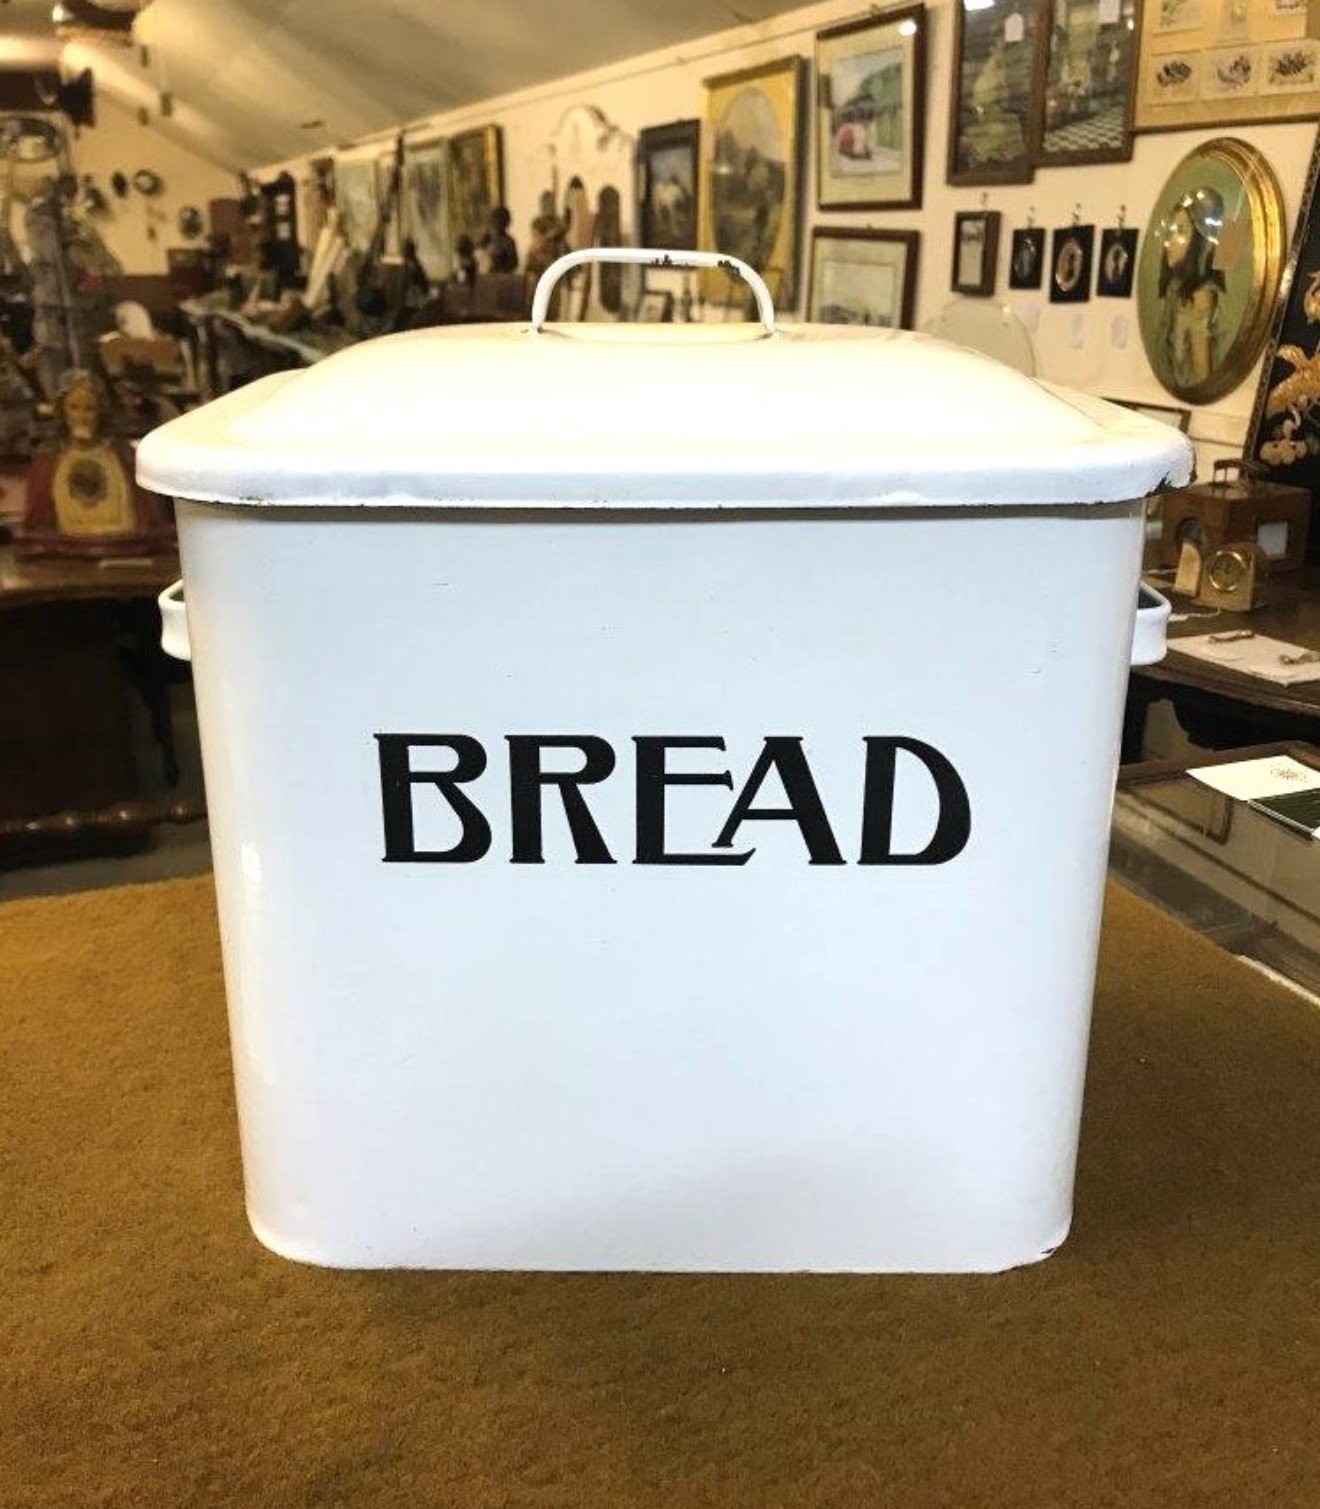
[[862, 277], [870, 111], [750, 186]]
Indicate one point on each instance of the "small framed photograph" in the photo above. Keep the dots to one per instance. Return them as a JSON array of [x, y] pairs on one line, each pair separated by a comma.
[[1118, 263], [975, 251], [1071, 250], [861, 277], [667, 169], [1026, 261], [870, 111]]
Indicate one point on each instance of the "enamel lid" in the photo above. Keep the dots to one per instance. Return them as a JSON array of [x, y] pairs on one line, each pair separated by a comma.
[[681, 415]]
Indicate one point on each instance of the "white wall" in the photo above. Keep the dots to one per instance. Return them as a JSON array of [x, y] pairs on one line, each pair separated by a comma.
[[119, 143], [1076, 344]]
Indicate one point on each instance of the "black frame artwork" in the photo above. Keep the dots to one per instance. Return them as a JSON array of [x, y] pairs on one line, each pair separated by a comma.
[[1026, 260], [1071, 251], [1117, 265], [1283, 433]]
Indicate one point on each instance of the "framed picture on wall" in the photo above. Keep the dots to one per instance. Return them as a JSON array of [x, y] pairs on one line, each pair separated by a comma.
[[975, 251], [1026, 260], [667, 179], [1118, 263], [1071, 250], [750, 185], [870, 111], [863, 277], [995, 104], [424, 213], [357, 199], [1209, 269], [1225, 63], [475, 182], [1090, 82]]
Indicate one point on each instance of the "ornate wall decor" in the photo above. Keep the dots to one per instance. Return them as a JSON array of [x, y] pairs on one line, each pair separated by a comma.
[[1209, 269], [1284, 432]]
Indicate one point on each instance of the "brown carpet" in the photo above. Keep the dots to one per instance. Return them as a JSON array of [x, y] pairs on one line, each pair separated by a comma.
[[156, 1357]]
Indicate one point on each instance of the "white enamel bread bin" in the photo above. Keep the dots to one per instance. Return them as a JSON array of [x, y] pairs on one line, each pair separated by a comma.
[[659, 782]]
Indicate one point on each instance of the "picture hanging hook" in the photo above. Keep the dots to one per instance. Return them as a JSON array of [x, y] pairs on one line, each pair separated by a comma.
[[985, 199], [1077, 213], [1122, 216], [1031, 217]]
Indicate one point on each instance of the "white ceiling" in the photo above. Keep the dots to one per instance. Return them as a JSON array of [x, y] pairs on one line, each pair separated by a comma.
[[249, 76]]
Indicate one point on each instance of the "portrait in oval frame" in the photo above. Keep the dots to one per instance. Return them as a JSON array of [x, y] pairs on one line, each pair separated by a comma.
[[1209, 269]]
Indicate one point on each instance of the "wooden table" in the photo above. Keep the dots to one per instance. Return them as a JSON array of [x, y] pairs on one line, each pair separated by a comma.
[[78, 641], [1222, 709]]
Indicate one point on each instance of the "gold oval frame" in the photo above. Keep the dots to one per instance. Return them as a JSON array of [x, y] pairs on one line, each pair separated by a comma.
[[1268, 240]]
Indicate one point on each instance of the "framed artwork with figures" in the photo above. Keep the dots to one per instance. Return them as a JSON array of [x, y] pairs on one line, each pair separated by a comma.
[[995, 104], [1209, 269]]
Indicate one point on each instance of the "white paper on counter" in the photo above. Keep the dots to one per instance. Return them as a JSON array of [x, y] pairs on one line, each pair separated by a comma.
[[1248, 779], [1257, 656]]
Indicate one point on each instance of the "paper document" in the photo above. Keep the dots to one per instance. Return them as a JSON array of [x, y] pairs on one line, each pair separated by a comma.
[[1250, 780], [1253, 655]]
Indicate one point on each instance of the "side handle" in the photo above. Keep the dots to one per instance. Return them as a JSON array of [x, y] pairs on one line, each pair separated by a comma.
[[1151, 631], [174, 623], [646, 256]]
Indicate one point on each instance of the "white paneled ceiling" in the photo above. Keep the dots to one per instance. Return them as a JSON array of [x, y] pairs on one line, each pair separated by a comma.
[[250, 77]]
